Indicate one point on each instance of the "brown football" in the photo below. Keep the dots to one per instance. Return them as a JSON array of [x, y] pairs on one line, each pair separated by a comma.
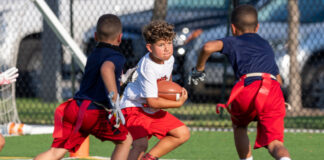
[[169, 90]]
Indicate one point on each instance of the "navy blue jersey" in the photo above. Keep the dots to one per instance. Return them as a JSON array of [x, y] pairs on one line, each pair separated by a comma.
[[249, 53], [92, 86]]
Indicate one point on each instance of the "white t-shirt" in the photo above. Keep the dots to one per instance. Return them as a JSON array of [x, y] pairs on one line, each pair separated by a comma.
[[145, 85]]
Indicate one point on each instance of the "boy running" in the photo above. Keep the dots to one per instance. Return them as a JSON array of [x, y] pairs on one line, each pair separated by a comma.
[[141, 105], [86, 113], [257, 95]]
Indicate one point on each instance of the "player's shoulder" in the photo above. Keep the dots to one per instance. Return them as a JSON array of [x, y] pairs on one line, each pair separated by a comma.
[[146, 65]]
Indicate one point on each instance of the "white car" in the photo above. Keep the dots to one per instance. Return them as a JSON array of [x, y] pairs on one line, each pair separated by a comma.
[[21, 32]]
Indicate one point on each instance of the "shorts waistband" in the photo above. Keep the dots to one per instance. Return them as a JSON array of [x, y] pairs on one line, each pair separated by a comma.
[[258, 74]]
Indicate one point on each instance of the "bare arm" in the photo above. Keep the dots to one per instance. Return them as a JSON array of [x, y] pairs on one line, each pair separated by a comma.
[[164, 103], [107, 71], [279, 79], [209, 48], [193, 35]]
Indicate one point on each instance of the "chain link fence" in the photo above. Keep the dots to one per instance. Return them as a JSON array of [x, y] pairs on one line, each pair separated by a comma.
[[49, 75]]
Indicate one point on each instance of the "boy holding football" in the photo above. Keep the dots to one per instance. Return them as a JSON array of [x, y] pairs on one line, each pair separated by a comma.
[[86, 113], [141, 105], [257, 94]]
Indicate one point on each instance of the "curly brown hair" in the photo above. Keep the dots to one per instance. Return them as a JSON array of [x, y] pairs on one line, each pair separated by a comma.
[[158, 30]]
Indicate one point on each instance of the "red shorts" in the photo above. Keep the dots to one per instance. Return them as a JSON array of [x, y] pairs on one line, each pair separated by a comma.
[[271, 118], [95, 122], [141, 124]]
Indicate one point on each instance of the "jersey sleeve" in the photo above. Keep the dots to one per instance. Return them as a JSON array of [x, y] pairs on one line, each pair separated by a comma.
[[227, 46], [117, 60]]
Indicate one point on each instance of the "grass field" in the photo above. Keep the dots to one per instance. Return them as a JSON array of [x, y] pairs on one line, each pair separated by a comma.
[[34, 111], [202, 145]]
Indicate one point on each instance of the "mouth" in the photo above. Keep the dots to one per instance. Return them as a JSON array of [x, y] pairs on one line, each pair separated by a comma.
[[167, 54]]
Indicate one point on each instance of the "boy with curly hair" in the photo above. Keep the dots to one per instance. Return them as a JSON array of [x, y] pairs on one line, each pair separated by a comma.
[[141, 105]]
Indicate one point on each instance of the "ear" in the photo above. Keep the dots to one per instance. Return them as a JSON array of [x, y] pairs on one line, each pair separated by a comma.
[[120, 37], [95, 37], [257, 28], [233, 29], [149, 47]]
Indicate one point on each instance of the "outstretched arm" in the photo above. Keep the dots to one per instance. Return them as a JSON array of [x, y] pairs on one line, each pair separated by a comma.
[[209, 48], [198, 73], [9, 76]]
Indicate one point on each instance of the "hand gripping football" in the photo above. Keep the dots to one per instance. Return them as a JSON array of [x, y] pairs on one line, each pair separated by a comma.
[[169, 90]]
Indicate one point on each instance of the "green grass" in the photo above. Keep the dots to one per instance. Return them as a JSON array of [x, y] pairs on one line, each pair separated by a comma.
[[201, 146], [34, 111]]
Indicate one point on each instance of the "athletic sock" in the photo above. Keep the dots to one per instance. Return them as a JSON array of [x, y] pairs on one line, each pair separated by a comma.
[[147, 156], [250, 158], [284, 158]]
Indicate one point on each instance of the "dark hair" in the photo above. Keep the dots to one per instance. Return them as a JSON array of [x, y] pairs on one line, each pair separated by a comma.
[[108, 27], [245, 17], [158, 30]]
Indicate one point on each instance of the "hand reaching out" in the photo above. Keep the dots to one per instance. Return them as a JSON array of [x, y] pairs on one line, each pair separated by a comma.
[[116, 110], [9, 76], [196, 76]]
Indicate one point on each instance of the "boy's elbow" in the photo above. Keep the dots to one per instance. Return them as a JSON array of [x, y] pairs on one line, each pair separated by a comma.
[[207, 48], [151, 102], [212, 46]]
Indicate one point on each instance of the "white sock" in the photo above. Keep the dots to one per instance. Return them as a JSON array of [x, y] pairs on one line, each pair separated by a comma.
[[251, 158], [284, 158]]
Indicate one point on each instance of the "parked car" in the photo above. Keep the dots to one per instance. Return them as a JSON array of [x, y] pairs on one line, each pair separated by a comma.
[[187, 17], [273, 18], [21, 32]]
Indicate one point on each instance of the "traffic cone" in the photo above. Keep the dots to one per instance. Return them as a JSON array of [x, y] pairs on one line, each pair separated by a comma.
[[83, 151], [18, 129]]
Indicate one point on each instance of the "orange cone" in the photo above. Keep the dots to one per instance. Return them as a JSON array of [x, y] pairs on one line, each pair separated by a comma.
[[83, 151]]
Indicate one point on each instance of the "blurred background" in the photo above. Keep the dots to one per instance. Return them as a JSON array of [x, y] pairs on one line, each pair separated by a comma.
[[50, 75]]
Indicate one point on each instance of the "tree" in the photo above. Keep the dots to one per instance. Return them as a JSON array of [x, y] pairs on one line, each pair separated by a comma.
[[294, 75], [160, 9]]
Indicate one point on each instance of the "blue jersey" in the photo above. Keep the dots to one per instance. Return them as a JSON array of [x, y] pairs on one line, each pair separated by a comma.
[[92, 86], [249, 53]]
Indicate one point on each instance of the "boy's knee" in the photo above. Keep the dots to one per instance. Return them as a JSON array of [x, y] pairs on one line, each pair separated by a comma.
[[185, 136], [275, 144], [128, 140], [2, 142], [140, 144], [276, 147]]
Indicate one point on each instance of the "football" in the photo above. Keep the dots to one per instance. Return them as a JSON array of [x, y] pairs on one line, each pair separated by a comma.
[[169, 90]]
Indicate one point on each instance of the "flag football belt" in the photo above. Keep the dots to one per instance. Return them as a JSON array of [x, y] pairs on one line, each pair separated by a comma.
[[59, 114], [261, 95]]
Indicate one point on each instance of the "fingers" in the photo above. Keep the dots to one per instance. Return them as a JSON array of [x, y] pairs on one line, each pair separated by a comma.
[[13, 77], [185, 93], [121, 116], [11, 71], [195, 81], [111, 96], [202, 78]]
